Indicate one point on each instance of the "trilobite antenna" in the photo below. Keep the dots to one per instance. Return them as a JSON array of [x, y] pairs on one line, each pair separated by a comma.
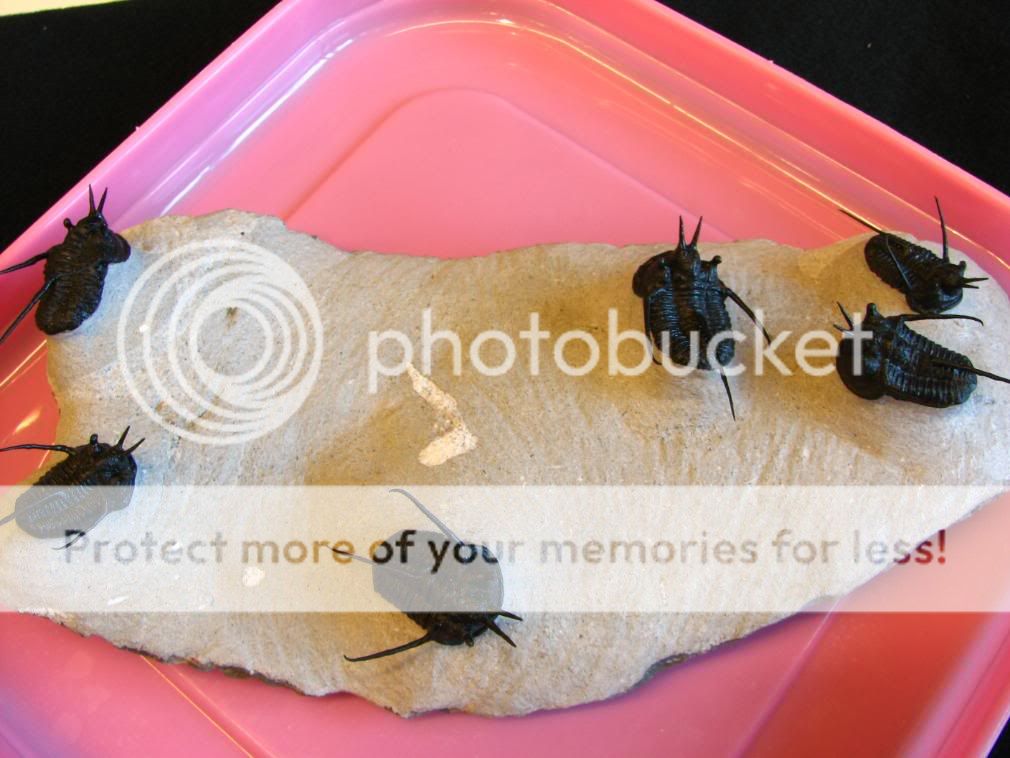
[[390, 566], [77, 535], [897, 263], [938, 317], [943, 231], [863, 221], [847, 317], [680, 242], [971, 370], [729, 394], [25, 264], [56, 448], [101, 203], [747, 309], [392, 651], [28, 308], [361, 558], [357, 557], [434, 519]]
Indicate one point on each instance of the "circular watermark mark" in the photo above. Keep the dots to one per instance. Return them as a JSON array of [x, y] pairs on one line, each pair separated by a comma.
[[220, 341]]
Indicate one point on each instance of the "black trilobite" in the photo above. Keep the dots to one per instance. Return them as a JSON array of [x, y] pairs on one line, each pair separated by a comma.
[[454, 603], [930, 284], [682, 294], [74, 274], [899, 362], [95, 479]]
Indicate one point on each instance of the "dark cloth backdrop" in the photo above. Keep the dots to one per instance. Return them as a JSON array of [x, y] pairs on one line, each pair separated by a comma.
[[76, 82]]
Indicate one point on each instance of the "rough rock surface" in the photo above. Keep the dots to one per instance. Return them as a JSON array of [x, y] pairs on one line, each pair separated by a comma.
[[548, 429]]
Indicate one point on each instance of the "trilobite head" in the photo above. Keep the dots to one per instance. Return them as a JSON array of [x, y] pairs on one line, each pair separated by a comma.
[[113, 464], [951, 277], [860, 362], [93, 233], [681, 265], [687, 260], [941, 290]]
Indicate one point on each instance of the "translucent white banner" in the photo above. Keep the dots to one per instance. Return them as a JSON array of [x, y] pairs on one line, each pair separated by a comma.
[[548, 549]]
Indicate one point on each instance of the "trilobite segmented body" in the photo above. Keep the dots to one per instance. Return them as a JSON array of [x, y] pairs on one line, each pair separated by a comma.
[[684, 303], [455, 601], [74, 274], [931, 284], [903, 364], [95, 479]]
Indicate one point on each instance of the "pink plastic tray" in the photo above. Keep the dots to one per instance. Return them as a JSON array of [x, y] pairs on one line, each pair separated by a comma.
[[458, 128]]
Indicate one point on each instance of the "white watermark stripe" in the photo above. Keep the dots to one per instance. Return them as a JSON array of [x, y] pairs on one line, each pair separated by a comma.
[[170, 308], [391, 352], [557, 549]]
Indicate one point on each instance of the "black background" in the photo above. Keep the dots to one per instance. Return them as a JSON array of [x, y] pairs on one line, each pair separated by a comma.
[[75, 83]]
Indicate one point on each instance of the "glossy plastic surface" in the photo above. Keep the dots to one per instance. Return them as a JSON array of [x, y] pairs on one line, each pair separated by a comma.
[[459, 128]]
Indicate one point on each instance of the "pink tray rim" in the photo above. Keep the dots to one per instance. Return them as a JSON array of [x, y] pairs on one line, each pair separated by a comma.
[[647, 25]]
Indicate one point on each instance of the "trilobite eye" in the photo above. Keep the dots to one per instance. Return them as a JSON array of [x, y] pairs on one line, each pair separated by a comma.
[[687, 276], [951, 281], [683, 258]]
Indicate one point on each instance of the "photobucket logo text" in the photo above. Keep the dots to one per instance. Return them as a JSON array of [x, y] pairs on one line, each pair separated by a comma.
[[494, 352]]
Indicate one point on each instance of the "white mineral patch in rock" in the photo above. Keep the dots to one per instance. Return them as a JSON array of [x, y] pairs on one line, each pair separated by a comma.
[[458, 439]]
